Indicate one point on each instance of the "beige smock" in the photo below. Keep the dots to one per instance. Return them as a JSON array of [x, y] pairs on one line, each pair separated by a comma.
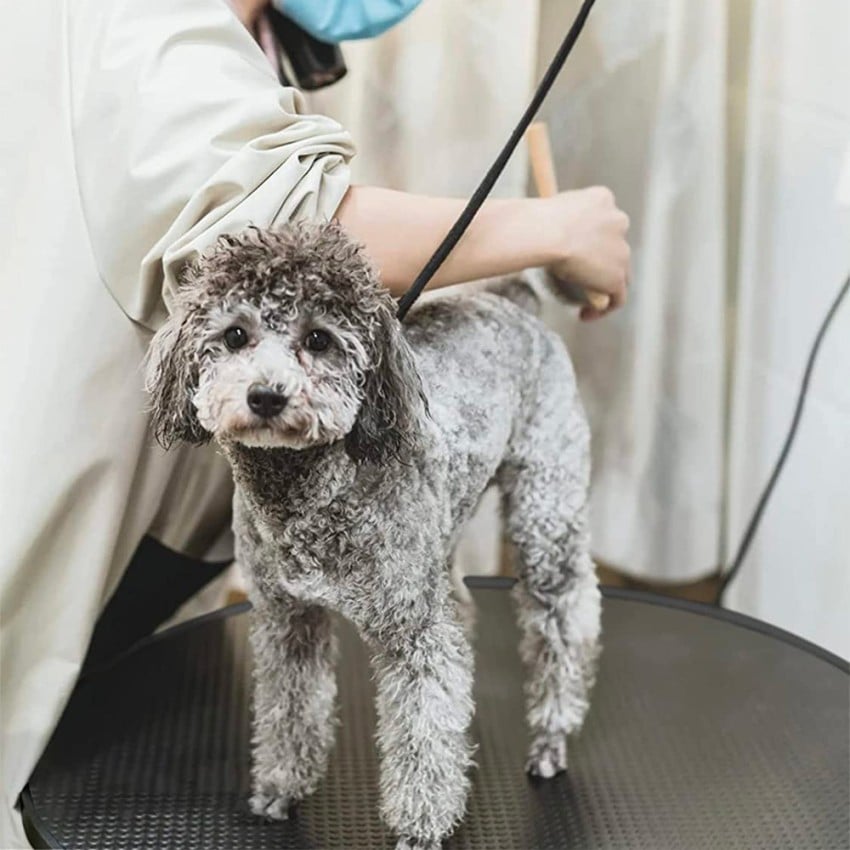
[[131, 136]]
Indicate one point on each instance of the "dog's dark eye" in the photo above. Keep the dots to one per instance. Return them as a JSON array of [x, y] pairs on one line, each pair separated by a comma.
[[235, 338], [317, 340]]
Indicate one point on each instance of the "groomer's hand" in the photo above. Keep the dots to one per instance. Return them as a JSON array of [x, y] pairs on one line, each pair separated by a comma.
[[579, 236], [588, 233]]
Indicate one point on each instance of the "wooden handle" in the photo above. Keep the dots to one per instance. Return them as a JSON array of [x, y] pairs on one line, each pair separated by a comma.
[[542, 161], [543, 170]]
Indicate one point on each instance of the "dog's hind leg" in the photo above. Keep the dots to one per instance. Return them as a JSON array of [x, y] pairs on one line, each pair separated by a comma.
[[294, 702], [545, 484]]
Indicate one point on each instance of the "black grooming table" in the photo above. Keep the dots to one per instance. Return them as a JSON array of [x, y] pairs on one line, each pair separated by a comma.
[[707, 730]]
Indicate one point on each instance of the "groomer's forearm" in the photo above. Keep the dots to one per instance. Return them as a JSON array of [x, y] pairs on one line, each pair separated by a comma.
[[401, 231]]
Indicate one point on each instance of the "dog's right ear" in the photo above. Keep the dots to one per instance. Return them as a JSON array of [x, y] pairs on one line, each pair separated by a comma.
[[389, 424], [171, 379]]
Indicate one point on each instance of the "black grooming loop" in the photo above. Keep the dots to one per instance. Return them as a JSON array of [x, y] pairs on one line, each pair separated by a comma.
[[496, 169]]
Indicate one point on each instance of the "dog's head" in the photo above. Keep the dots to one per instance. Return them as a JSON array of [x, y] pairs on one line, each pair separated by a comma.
[[284, 338]]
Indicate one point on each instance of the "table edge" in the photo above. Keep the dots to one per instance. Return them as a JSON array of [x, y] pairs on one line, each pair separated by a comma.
[[506, 583], [700, 608]]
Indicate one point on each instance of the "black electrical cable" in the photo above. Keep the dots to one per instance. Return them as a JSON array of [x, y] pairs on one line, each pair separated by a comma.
[[753, 524], [490, 178]]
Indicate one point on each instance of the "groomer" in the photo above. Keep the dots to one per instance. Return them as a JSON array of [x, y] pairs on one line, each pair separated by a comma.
[[133, 134]]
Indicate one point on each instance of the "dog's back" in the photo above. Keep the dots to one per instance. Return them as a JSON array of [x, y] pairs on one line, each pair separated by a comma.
[[491, 369]]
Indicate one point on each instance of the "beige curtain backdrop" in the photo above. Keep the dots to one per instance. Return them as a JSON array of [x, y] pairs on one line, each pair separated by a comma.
[[721, 127], [791, 96]]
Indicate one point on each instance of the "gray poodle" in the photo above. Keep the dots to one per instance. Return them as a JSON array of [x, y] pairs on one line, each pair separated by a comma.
[[360, 447]]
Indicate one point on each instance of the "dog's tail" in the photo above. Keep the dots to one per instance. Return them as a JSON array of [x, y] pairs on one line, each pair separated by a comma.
[[526, 289]]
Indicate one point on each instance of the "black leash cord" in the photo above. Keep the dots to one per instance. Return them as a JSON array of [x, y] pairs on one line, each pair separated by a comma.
[[753, 524], [480, 195]]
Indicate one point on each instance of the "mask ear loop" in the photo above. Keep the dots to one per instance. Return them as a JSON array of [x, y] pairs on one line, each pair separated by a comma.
[[485, 187]]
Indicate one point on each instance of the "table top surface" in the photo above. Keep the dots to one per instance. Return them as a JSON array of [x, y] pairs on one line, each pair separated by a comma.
[[706, 730]]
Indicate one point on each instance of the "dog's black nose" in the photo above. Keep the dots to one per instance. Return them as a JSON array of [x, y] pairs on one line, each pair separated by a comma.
[[264, 401]]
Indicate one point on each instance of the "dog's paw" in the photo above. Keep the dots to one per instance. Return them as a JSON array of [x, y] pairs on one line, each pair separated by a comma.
[[547, 757], [271, 806], [409, 843]]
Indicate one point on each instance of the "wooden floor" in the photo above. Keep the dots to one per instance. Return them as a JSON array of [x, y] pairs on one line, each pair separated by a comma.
[[703, 590]]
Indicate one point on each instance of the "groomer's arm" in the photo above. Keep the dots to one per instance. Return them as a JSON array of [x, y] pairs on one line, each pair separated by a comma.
[[579, 235]]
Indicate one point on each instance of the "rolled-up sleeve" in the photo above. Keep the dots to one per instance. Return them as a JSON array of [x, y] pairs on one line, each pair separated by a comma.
[[181, 132]]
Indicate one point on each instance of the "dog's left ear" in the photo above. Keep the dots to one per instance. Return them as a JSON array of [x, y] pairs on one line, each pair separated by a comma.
[[389, 424], [171, 379]]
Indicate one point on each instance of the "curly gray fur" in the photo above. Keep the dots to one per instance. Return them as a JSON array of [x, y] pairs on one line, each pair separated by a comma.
[[352, 498]]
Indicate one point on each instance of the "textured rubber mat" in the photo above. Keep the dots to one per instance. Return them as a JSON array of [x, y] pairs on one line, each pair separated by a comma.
[[702, 734]]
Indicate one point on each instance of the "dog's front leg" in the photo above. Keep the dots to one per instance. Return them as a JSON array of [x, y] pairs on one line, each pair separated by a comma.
[[294, 702], [424, 707]]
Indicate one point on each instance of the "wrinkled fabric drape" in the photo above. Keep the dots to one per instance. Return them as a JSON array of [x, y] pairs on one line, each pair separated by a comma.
[[642, 109], [793, 228], [720, 127], [133, 134], [432, 101]]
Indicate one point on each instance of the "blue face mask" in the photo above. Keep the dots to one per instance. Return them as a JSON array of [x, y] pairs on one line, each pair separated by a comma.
[[344, 20]]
